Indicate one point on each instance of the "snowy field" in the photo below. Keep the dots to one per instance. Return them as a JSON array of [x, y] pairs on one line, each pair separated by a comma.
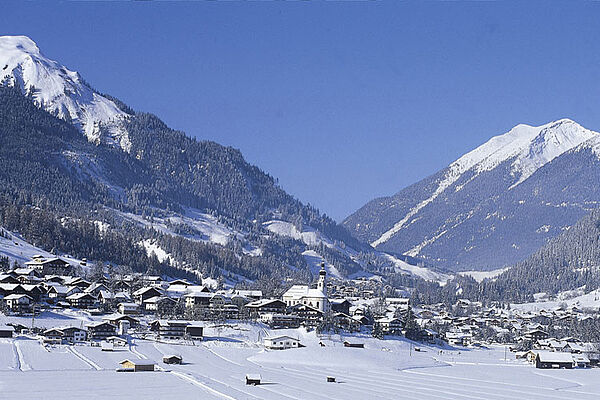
[[216, 367]]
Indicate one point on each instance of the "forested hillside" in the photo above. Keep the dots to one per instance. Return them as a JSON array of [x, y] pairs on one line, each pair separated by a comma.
[[52, 174]]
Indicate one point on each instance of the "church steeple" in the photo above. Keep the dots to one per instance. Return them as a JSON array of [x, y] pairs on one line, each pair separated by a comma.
[[322, 283]]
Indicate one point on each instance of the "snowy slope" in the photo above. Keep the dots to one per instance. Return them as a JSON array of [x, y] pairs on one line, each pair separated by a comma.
[[61, 92], [16, 249], [495, 205], [529, 147]]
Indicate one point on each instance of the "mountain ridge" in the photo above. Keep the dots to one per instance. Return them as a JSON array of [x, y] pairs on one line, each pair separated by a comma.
[[406, 222]]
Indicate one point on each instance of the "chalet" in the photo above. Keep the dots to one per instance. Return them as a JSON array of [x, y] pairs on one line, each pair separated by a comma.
[[117, 319], [581, 361], [73, 334], [137, 365], [169, 329], [25, 275], [95, 288], [251, 294], [197, 299], [280, 321], [340, 306], [54, 336], [19, 302], [9, 279], [310, 315], [194, 331], [145, 293], [128, 308], [390, 325], [81, 300], [459, 338], [398, 302], [52, 265], [550, 359], [6, 331], [259, 307], [239, 301], [281, 342], [157, 303], [535, 334], [60, 292], [172, 359], [79, 282], [100, 330], [151, 280], [106, 297]]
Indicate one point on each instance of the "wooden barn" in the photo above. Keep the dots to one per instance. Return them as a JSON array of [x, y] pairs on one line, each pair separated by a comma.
[[137, 365], [549, 359]]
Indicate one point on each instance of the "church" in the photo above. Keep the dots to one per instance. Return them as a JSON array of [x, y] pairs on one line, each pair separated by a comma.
[[303, 294]]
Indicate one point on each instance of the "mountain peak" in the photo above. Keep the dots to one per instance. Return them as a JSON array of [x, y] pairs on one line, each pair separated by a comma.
[[62, 92], [18, 43]]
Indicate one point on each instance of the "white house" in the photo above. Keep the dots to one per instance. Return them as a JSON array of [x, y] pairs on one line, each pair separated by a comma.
[[281, 342], [303, 294]]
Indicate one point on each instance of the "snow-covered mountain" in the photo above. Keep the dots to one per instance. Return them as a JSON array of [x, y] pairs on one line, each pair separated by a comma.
[[62, 92], [142, 194], [493, 206]]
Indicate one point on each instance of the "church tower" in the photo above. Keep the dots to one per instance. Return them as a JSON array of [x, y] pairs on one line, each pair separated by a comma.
[[322, 283]]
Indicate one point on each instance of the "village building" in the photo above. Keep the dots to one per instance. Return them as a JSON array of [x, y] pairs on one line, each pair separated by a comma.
[[280, 321], [550, 359], [159, 303], [194, 331], [47, 266], [265, 306], [197, 299], [81, 300], [390, 325], [281, 342], [101, 330], [169, 329], [127, 308], [145, 293], [19, 303]]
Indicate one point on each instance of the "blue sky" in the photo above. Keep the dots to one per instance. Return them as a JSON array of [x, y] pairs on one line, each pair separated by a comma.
[[342, 102]]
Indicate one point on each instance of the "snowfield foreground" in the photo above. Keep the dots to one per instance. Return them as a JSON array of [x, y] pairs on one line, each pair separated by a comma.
[[216, 367]]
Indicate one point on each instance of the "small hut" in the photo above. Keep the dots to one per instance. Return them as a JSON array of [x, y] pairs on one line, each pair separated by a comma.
[[253, 379], [172, 359], [137, 365]]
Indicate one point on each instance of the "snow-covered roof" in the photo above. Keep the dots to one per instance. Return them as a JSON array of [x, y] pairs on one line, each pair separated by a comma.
[[553, 356], [300, 291]]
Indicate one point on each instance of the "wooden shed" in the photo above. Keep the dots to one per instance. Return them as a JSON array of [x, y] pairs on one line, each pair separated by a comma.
[[253, 379], [6, 331], [137, 365], [357, 345], [172, 359]]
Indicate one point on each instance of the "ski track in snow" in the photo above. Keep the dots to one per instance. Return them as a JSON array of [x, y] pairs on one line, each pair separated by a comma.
[[23, 366], [84, 358], [188, 377]]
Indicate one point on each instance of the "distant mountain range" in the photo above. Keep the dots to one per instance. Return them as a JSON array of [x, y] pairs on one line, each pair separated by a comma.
[[494, 206]]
